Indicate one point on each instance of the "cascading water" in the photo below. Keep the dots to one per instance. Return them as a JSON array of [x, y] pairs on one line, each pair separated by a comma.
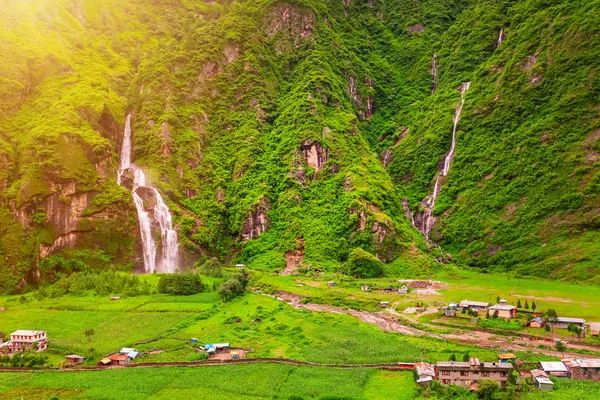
[[500, 37], [430, 200], [162, 215], [434, 68]]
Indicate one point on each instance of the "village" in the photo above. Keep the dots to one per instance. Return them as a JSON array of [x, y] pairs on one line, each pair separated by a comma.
[[469, 373]]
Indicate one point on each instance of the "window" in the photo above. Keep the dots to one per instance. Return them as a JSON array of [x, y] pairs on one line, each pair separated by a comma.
[[503, 374], [464, 373], [445, 372], [485, 374], [475, 372]]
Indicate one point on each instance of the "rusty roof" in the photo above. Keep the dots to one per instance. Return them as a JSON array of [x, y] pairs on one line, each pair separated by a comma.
[[582, 362], [118, 357], [538, 373]]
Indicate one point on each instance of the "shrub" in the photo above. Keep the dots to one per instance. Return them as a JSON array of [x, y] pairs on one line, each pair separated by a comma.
[[363, 264], [180, 284]]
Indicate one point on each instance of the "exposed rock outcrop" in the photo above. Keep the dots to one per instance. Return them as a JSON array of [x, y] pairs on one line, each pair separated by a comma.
[[315, 155], [257, 221], [386, 157], [294, 22], [367, 106]]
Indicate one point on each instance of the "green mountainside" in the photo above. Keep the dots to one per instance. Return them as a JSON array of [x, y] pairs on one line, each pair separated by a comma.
[[302, 131]]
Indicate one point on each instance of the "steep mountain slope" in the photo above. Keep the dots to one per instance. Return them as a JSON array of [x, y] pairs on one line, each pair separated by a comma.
[[282, 132], [521, 194]]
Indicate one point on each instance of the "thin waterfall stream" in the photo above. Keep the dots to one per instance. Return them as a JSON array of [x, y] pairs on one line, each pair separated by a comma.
[[161, 214], [428, 218]]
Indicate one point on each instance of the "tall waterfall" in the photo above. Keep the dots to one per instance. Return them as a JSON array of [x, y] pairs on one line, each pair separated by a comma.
[[430, 200], [161, 213], [500, 37]]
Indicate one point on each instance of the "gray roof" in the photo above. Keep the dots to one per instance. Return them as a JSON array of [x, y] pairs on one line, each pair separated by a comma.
[[556, 366], [503, 307], [468, 303], [568, 320], [467, 365]]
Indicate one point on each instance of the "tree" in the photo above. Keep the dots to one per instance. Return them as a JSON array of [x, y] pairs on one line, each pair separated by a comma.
[[547, 328], [533, 306], [551, 316], [488, 389], [526, 305], [230, 289], [180, 284], [560, 347], [212, 267], [512, 377], [463, 311], [466, 357], [362, 264], [89, 332], [498, 299], [452, 357], [519, 303], [487, 314]]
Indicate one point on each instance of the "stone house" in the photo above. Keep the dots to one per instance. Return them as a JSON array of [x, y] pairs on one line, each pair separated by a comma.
[[583, 369], [467, 373]]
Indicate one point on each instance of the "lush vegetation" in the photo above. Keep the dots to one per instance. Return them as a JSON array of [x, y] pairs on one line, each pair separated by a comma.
[[180, 284], [251, 382]]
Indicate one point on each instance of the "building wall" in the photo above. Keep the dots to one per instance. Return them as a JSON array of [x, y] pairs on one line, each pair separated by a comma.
[[585, 373], [458, 378]]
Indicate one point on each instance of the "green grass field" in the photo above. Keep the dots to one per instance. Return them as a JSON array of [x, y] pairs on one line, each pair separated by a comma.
[[567, 299], [224, 382]]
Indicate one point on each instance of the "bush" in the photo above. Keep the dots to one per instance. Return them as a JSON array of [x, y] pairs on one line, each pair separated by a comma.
[[363, 264], [236, 286], [180, 284]]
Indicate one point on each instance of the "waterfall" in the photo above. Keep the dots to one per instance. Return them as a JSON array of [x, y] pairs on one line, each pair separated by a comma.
[[430, 200], [162, 215], [125, 149], [500, 37], [434, 68]]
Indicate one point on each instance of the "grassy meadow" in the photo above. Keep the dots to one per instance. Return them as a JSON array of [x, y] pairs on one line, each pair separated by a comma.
[[566, 298], [270, 327], [223, 383]]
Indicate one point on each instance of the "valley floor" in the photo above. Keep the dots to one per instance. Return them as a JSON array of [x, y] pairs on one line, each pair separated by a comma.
[[294, 317]]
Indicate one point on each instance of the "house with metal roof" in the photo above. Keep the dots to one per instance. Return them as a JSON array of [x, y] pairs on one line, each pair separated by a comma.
[[74, 359], [583, 368], [119, 359], [474, 305], [564, 322], [555, 368], [504, 310], [537, 322], [132, 353], [467, 373], [425, 373], [541, 380], [507, 357]]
